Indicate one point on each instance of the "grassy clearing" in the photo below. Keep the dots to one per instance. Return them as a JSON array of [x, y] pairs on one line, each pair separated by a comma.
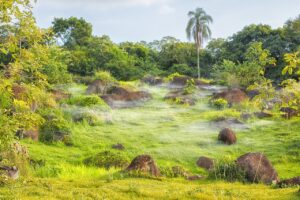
[[173, 135], [142, 189]]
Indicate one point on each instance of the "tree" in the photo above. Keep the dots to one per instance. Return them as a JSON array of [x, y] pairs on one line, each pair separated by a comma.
[[29, 62], [248, 72], [72, 31], [293, 63], [198, 28]]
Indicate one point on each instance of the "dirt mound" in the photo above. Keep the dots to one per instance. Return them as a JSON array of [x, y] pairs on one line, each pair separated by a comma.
[[33, 134], [233, 96], [182, 81], [257, 168], [290, 182], [227, 136], [152, 80], [118, 146], [289, 112], [145, 164], [119, 97], [19, 91], [117, 90], [179, 97], [205, 163], [98, 87]]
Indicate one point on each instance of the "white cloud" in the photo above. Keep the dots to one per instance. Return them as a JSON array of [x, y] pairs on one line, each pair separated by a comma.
[[162, 7], [166, 9], [105, 3]]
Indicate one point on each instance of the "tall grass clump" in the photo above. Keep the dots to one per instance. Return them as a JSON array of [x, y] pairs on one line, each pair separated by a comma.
[[107, 159], [86, 101], [226, 169]]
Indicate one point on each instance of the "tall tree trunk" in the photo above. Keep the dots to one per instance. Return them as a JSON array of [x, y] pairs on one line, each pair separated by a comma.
[[198, 61]]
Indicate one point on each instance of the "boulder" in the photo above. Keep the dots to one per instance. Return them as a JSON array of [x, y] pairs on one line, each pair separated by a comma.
[[144, 164], [12, 172], [257, 168], [205, 163], [227, 136], [290, 182], [289, 112], [232, 96]]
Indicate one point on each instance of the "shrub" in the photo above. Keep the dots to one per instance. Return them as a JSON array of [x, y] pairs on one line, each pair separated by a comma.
[[173, 172], [107, 159], [47, 171], [104, 76], [56, 128], [219, 103], [181, 69], [190, 87], [91, 118], [226, 169], [172, 76], [85, 100]]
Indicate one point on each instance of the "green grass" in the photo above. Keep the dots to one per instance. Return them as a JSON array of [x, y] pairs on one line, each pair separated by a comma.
[[131, 188], [173, 135]]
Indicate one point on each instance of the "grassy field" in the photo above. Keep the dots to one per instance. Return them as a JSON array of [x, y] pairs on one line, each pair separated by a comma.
[[175, 136]]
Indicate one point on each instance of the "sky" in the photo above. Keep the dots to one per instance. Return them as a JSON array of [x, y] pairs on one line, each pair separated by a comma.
[[148, 20]]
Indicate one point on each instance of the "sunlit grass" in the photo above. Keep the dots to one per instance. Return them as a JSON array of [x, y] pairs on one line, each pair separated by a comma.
[[173, 135]]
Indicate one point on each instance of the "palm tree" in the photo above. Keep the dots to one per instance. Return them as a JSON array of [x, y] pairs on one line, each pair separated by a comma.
[[198, 29]]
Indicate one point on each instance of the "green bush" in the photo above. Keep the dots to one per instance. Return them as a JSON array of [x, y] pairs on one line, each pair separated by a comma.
[[91, 118], [85, 100], [56, 128], [47, 172], [226, 169], [172, 76], [219, 103], [173, 172], [182, 69], [107, 159], [104, 76], [190, 87]]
